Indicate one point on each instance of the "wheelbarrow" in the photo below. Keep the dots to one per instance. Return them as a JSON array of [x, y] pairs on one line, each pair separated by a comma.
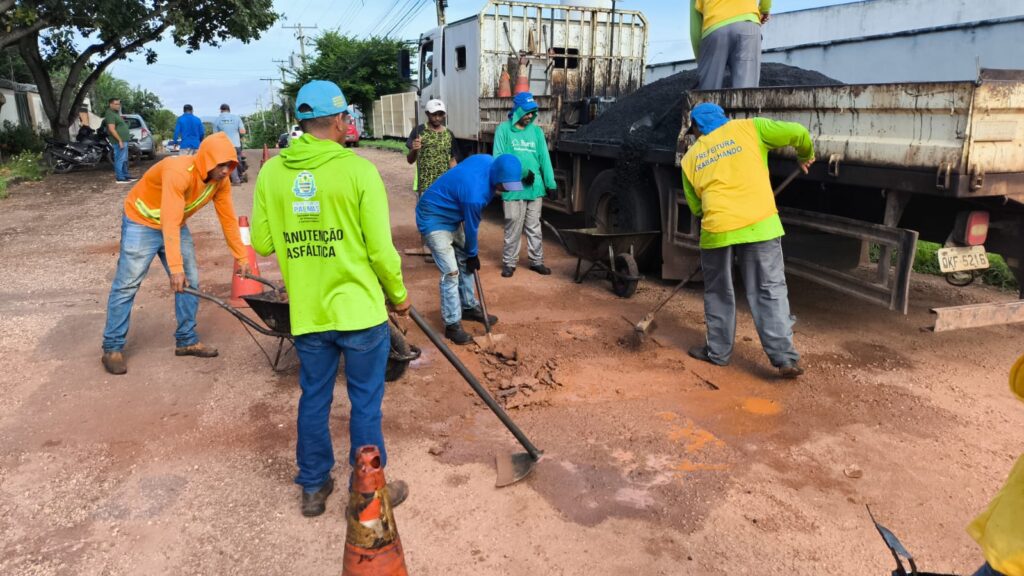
[[271, 306], [613, 253]]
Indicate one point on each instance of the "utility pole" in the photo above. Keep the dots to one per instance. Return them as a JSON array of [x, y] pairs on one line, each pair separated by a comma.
[[270, 93], [441, 5], [302, 37], [284, 100]]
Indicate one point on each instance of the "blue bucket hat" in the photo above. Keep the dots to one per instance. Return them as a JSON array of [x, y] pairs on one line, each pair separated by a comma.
[[523, 101], [324, 97], [507, 170], [708, 117]]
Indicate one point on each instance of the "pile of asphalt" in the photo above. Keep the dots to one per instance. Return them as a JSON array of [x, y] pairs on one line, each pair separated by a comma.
[[663, 101]]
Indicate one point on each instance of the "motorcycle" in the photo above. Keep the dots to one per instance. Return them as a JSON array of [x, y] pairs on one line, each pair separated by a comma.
[[89, 149]]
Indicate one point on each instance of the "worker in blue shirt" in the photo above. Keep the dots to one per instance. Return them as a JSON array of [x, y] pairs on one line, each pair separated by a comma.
[[232, 125], [448, 216], [188, 132]]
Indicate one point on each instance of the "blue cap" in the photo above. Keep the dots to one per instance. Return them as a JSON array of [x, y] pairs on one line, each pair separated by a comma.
[[324, 97], [525, 101], [708, 116], [507, 170]]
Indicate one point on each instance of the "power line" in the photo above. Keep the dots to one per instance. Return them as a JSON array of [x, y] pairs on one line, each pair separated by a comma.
[[409, 17], [302, 37], [387, 15]]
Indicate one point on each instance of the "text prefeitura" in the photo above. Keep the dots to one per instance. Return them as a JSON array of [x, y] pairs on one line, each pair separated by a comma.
[[304, 243]]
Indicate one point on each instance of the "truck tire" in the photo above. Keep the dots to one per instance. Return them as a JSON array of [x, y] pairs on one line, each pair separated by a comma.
[[635, 208]]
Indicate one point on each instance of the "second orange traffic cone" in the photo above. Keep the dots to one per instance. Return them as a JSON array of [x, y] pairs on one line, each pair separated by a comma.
[[372, 545], [243, 286], [504, 83], [266, 155], [522, 79]]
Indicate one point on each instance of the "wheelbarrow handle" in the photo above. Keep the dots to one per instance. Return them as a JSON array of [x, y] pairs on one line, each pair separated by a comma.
[[263, 281], [234, 312], [475, 384]]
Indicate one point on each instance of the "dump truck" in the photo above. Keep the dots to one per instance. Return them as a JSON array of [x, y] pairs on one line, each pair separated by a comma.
[[898, 162]]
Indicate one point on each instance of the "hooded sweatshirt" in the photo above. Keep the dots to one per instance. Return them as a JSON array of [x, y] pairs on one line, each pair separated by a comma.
[[324, 211], [527, 144], [174, 189], [458, 197]]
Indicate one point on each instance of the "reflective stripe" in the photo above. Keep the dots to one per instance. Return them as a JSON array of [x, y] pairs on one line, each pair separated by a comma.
[[151, 215], [202, 197]]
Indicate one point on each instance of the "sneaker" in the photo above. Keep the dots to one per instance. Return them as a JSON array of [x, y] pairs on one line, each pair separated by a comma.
[[198, 349], [124, 181], [507, 271], [702, 353], [477, 315], [791, 370], [455, 333], [314, 504], [541, 269], [114, 362]]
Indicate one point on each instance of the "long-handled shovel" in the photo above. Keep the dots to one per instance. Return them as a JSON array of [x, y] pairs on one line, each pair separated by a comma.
[[487, 342], [511, 467]]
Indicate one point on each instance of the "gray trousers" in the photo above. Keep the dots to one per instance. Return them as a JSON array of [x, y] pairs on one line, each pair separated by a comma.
[[520, 215], [736, 47], [764, 280]]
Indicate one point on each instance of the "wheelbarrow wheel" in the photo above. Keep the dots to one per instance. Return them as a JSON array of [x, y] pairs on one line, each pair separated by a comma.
[[400, 355], [625, 265]]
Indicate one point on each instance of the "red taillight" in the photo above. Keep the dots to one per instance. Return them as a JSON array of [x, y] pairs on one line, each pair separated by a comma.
[[971, 228], [145, 132]]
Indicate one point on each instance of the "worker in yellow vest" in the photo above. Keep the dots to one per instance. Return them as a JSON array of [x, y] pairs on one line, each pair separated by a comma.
[[725, 179], [726, 35], [999, 530]]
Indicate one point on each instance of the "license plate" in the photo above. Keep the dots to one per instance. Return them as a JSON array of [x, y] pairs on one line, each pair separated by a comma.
[[961, 258]]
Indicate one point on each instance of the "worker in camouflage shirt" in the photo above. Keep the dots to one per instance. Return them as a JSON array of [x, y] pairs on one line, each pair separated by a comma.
[[433, 149]]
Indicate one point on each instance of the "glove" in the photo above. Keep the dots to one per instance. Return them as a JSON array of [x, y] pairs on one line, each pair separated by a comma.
[[472, 264], [552, 193]]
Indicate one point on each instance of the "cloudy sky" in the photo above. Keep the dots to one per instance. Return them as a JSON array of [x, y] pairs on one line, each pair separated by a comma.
[[232, 72]]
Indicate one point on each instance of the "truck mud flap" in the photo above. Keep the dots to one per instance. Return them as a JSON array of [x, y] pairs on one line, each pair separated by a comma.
[[890, 291]]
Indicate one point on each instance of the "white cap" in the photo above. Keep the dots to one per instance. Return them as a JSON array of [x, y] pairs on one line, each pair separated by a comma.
[[435, 106]]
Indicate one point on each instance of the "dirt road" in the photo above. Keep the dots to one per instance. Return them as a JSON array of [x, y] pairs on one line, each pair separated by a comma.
[[655, 463]]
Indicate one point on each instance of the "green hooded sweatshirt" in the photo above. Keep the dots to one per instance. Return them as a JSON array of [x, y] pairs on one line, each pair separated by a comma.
[[324, 211], [527, 144]]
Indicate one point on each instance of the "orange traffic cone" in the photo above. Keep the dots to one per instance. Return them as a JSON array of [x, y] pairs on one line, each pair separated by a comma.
[[243, 286], [522, 80], [504, 83], [266, 155], [372, 545]]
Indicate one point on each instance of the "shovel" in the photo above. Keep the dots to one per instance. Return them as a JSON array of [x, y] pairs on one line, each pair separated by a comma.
[[511, 467], [487, 342]]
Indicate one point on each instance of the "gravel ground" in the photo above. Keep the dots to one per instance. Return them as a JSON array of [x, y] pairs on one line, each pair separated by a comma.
[[654, 463]]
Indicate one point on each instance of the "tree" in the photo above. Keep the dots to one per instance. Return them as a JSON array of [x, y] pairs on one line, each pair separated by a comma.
[[47, 34], [265, 127], [365, 69]]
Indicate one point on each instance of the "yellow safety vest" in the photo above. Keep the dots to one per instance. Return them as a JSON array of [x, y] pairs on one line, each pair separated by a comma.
[[729, 175], [718, 11]]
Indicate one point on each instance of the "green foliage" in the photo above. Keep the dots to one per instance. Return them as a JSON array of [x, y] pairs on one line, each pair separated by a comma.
[[365, 69], [161, 124], [392, 145], [13, 68], [265, 127], [24, 166], [15, 139], [926, 261]]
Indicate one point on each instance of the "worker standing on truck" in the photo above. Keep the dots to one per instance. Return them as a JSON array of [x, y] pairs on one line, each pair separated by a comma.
[[726, 35], [525, 140], [448, 216], [324, 211], [999, 530], [725, 180]]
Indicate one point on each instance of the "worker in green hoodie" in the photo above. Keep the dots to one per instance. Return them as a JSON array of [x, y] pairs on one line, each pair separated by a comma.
[[324, 211], [521, 137]]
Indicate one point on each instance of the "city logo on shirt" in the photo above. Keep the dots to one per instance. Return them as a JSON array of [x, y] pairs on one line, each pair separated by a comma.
[[304, 185]]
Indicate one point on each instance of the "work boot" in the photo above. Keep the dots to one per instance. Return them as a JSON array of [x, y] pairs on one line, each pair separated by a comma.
[[198, 349], [541, 269], [791, 370], [702, 353], [455, 333], [398, 491], [114, 362], [477, 315], [507, 271], [314, 504]]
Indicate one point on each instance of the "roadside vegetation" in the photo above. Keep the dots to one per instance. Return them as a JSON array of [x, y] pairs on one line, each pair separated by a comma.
[[386, 144]]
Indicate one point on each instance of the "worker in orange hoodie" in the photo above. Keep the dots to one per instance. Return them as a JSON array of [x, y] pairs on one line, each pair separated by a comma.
[[154, 224]]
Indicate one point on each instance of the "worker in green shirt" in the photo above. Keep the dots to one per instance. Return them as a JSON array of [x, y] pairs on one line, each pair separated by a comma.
[[725, 180], [118, 135], [324, 211], [726, 35]]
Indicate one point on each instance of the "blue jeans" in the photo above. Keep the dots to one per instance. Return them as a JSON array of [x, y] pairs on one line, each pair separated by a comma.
[[366, 357], [120, 161], [456, 286], [987, 570], [764, 280], [139, 244]]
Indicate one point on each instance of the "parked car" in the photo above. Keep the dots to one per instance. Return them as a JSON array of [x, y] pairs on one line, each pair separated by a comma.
[[171, 147], [352, 136], [282, 140], [139, 130]]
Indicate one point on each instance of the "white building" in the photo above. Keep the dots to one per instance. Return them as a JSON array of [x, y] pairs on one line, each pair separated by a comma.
[[892, 40]]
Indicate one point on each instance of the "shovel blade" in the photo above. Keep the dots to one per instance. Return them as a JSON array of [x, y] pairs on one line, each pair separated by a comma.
[[487, 341], [512, 468]]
